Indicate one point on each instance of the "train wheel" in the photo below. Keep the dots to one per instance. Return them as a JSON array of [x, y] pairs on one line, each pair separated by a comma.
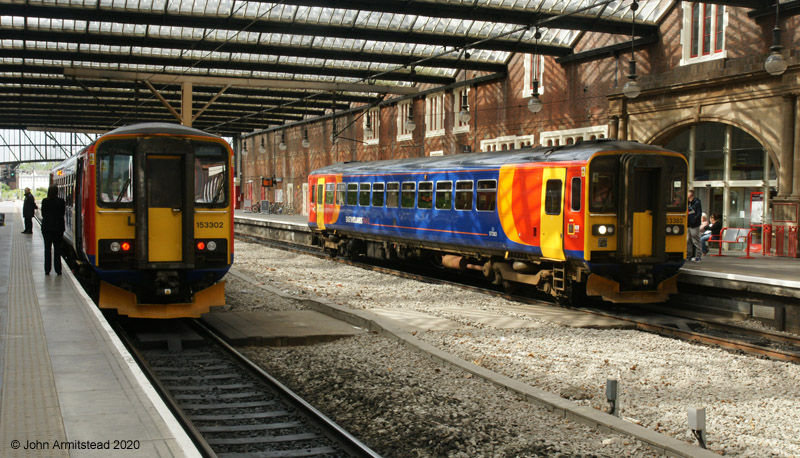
[[510, 287]]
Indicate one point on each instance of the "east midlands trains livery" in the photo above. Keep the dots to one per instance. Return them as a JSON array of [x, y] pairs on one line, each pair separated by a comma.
[[604, 217], [149, 221]]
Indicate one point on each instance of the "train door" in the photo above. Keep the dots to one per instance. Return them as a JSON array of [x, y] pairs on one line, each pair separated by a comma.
[[320, 203], [645, 183], [552, 213], [164, 208]]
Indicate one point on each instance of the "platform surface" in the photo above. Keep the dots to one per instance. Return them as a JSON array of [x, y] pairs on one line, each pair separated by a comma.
[[293, 220], [66, 382]]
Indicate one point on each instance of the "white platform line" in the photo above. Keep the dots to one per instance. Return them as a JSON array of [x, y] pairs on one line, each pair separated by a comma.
[[747, 278]]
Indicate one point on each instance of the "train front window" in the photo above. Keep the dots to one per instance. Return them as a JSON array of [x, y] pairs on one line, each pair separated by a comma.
[[676, 193], [602, 184], [210, 174], [115, 174]]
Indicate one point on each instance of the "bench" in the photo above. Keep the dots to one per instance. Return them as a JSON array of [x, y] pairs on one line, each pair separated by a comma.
[[732, 235]]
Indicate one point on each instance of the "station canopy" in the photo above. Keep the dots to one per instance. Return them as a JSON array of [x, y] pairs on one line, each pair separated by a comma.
[[90, 66]]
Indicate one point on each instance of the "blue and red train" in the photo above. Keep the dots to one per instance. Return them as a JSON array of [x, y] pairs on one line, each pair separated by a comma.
[[149, 221], [603, 217]]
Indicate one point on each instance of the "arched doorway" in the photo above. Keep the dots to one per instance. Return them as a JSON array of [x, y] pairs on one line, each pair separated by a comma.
[[730, 170]]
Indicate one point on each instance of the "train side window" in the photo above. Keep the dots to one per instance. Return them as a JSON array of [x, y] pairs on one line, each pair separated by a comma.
[[392, 194], [320, 194], [377, 194], [340, 191], [444, 195], [407, 197], [487, 196], [363, 195], [425, 200], [464, 195], [330, 190], [311, 194], [352, 194], [575, 198], [552, 198]]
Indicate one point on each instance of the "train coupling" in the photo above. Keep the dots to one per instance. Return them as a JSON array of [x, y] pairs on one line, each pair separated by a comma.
[[608, 289]]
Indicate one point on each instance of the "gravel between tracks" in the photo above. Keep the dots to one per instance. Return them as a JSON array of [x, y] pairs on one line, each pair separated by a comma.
[[753, 407]]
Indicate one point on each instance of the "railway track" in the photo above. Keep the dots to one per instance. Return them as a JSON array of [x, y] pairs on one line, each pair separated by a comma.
[[679, 324], [232, 408]]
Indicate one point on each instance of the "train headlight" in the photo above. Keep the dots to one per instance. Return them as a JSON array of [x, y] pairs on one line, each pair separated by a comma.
[[669, 230], [211, 245], [115, 246], [676, 229], [603, 229]]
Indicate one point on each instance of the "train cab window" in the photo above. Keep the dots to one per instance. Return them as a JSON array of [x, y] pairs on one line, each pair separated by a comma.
[[676, 193], [363, 195], [377, 194], [575, 197], [392, 194], [444, 195], [115, 174], [552, 197], [425, 200], [340, 193], [320, 194], [352, 194], [407, 194], [329, 193], [211, 174], [487, 196], [464, 195]]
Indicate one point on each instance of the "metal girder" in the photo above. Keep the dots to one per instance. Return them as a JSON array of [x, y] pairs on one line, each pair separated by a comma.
[[167, 78], [279, 27], [17, 145], [786, 9], [470, 11], [98, 57], [62, 85], [603, 52], [256, 49]]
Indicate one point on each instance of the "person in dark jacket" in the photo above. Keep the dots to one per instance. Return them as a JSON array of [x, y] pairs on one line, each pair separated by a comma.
[[53, 210], [693, 230], [28, 207]]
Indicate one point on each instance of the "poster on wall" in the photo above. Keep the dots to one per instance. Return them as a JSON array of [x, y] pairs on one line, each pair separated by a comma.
[[756, 208], [279, 195]]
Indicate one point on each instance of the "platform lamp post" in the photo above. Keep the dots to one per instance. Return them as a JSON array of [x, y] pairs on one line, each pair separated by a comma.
[[464, 115], [535, 103], [776, 64], [410, 123], [305, 142], [631, 89]]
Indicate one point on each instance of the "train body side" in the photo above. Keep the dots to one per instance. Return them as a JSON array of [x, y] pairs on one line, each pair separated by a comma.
[[538, 217]]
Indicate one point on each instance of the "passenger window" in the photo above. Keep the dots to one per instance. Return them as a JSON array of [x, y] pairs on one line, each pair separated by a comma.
[[340, 187], [575, 198], [425, 200], [409, 188], [377, 194], [464, 195], [487, 195], [329, 191], [552, 198], [319, 194], [392, 194], [352, 194], [363, 195], [312, 194], [444, 195]]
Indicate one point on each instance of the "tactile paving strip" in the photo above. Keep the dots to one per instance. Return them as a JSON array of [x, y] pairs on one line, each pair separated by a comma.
[[29, 409]]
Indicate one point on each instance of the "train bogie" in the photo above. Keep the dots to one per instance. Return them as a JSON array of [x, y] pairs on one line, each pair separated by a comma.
[[604, 217]]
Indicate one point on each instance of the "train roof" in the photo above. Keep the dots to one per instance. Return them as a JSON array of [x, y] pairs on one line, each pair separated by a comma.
[[159, 128], [581, 151]]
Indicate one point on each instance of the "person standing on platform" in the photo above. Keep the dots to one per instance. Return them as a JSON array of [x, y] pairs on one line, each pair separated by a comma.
[[28, 207], [53, 210], [693, 230]]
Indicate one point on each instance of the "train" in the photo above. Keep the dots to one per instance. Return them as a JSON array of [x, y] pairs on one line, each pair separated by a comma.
[[602, 218], [149, 219]]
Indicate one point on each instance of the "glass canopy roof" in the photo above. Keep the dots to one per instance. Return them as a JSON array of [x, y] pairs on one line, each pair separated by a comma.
[[370, 46]]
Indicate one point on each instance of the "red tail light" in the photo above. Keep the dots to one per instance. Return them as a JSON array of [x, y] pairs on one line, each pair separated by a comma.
[[125, 246], [201, 246]]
